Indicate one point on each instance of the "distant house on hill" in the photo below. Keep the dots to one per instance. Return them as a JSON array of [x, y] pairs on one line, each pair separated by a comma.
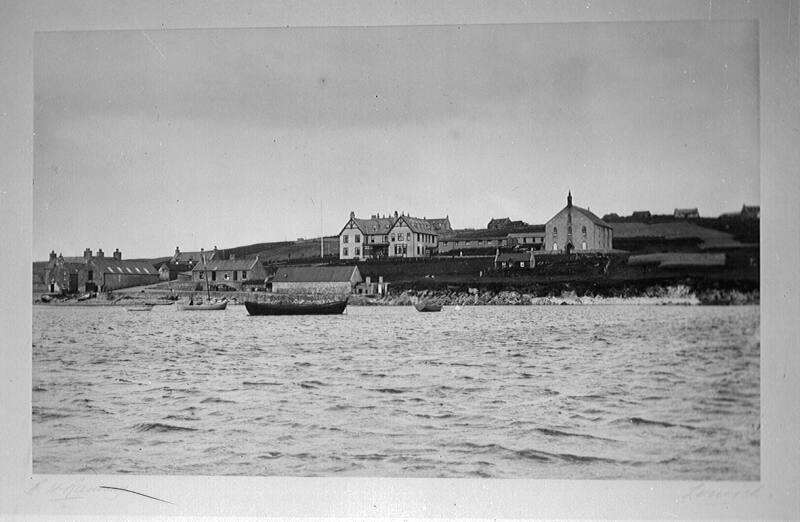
[[231, 271], [751, 212], [577, 229], [641, 215], [501, 223], [96, 272], [316, 279], [684, 213]]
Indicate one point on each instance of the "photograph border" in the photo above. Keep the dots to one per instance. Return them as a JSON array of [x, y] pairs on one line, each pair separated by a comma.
[[23, 494]]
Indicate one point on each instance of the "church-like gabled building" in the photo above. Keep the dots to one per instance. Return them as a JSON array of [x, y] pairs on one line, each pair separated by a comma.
[[576, 229]]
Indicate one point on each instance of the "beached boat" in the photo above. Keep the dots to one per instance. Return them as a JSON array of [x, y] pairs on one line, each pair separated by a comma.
[[139, 308], [425, 306], [324, 308], [203, 306]]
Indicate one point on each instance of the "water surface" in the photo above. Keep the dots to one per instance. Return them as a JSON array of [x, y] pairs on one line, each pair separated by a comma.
[[655, 392]]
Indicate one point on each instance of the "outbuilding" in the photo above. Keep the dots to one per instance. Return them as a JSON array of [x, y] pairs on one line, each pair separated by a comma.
[[316, 279]]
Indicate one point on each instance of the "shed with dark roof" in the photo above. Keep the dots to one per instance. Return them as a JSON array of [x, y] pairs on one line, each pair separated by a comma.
[[316, 279]]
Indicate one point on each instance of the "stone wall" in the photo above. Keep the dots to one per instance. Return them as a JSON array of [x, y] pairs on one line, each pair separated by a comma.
[[327, 288]]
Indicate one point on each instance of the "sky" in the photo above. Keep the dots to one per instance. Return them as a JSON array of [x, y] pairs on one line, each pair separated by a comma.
[[148, 140]]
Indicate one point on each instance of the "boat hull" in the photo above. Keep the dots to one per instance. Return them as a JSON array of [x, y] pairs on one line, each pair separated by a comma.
[[202, 307], [329, 308], [143, 308], [428, 307]]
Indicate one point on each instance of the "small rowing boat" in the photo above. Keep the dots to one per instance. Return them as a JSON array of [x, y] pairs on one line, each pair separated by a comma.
[[139, 308], [204, 306], [426, 306]]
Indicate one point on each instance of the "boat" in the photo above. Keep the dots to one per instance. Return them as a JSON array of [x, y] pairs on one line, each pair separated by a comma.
[[208, 305], [139, 308], [323, 308], [203, 306], [426, 306]]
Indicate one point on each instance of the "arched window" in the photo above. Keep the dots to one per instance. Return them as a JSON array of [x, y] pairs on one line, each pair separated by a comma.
[[583, 230], [555, 246], [555, 231]]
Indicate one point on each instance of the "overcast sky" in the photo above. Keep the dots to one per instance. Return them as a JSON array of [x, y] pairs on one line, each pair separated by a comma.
[[147, 140]]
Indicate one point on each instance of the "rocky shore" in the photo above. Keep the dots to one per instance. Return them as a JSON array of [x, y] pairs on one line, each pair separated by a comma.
[[670, 295]]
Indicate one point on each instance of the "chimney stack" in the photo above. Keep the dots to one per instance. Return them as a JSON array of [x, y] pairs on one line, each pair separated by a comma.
[[352, 215], [100, 253], [87, 254], [177, 251], [117, 254], [53, 255]]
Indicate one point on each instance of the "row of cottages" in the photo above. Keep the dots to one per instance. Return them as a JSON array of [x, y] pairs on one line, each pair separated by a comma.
[[390, 236], [92, 273], [328, 280], [183, 263], [521, 235], [577, 229], [233, 271]]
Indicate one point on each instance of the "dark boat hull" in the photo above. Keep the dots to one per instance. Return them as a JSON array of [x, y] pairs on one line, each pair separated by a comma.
[[428, 307], [330, 308]]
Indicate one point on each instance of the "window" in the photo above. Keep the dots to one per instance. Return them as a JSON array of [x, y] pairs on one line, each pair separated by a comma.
[[555, 246], [583, 230], [555, 231], [371, 239], [202, 276], [90, 275], [408, 236], [358, 238], [345, 238], [358, 251], [235, 275], [213, 275], [392, 238], [244, 274], [386, 239]]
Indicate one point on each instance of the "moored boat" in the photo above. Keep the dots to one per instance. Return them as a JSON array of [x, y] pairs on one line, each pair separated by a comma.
[[139, 308], [203, 306], [319, 308], [426, 306]]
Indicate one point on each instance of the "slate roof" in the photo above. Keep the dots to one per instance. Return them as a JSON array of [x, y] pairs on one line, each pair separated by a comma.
[[526, 230], [109, 265], [195, 257], [316, 274], [226, 264], [374, 225], [440, 224], [588, 213], [417, 225], [481, 233]]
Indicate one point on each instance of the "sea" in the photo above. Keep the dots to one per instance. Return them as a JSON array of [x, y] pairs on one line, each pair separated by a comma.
[[574, 392]]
